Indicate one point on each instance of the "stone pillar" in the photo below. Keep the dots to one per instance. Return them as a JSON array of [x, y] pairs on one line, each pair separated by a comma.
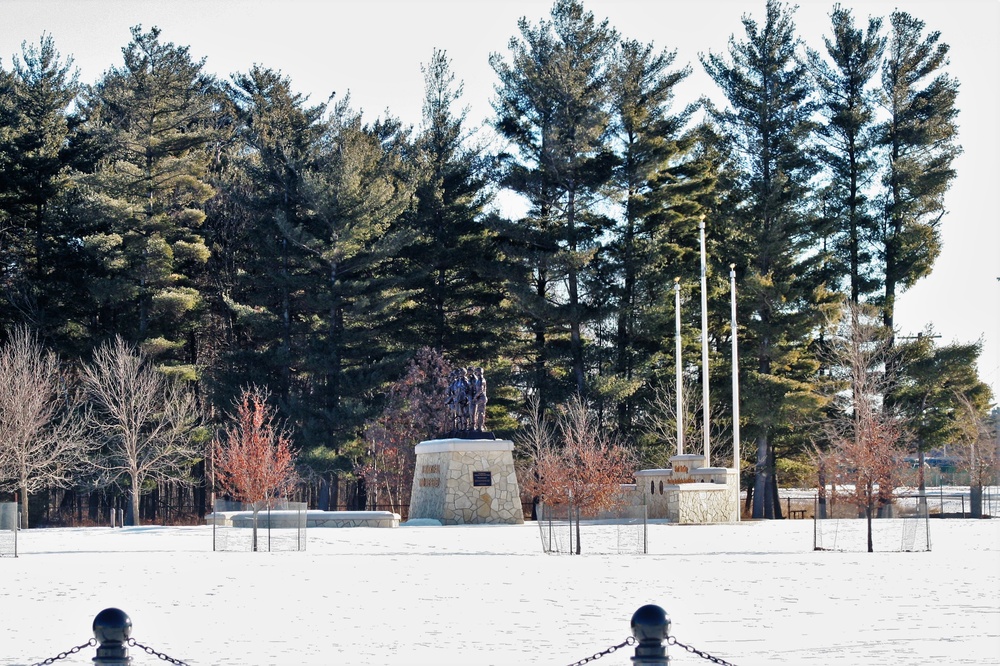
[[466, 481], [682, 466]]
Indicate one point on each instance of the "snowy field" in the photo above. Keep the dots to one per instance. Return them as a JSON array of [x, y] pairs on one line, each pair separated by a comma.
[[754, 593]]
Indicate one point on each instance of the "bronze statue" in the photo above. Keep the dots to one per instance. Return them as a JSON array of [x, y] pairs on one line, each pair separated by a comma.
[[466, 401], [479, 400]]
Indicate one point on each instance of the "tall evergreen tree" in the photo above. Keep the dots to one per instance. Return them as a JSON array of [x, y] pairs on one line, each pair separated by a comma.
[[932, 383], [552, 105], [920, 140], [37, 240], [769, 91], [357, 195], [452, 264], [155, 118], [260, 274], [848, 143], [654, 238]]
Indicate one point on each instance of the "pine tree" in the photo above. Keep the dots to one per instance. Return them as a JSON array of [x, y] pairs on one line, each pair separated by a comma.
[[37, 240], [349, 350], [155, 117], [848, 144], [770, 123], [920, 143], [654, 238], [552, 107], [452, 265], [932, 384], [260, 274]]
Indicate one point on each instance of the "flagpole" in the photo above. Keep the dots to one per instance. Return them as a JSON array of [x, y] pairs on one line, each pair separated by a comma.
[[679, 370], [736, 387], [704, 344]]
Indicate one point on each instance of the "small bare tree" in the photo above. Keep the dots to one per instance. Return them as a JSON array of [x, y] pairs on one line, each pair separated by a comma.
[[253, 460], [42, 440], [581, 466], [143, 423], [976, 450], [414, 411], [659, 422], [864, 434], [536, 442]]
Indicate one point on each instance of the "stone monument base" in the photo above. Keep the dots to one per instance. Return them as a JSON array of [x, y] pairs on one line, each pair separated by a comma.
[[466, 482], [689, 493]]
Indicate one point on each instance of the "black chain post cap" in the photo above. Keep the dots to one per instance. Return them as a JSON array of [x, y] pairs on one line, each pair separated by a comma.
[[650, 623], [112, 629], [651, 627]]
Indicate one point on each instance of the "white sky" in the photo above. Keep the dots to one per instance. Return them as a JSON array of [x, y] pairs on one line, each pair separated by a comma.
[[373, 49]]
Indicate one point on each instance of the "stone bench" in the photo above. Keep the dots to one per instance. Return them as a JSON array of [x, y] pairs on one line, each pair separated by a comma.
[[280, 519]]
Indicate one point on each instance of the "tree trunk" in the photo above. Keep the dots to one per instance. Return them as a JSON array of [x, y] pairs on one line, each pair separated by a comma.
[[324, 495], [868, 517], [821, 503], [133, 508], [23, 492], [772, 506], [976, 501], [578, 549], [572, 283], [760, 477]]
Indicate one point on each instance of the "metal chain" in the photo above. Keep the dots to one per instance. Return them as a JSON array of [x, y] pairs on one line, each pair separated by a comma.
[[628, 641], [148, 650], [704, 655], [62, 655]]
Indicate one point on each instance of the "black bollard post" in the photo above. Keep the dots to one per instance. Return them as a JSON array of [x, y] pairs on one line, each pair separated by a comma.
[[112, 629], [651, 627]]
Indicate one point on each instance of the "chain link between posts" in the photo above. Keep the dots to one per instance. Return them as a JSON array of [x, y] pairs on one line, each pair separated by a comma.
[[93, 642], [62, 655], [159, 655], [704, 655], [586, 660], [670, 641]]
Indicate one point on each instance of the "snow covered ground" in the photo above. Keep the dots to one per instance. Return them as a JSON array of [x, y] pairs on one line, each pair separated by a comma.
[[750, 593]]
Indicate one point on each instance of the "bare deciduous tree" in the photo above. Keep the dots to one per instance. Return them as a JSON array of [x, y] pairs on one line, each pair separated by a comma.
[[659, 423], [414, 411], [143, 422], [865, 434], [42, 440], [575, 463], [976, 450], [253, 461]]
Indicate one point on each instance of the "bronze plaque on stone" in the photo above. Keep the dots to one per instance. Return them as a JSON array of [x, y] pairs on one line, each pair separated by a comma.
[[482, 478]]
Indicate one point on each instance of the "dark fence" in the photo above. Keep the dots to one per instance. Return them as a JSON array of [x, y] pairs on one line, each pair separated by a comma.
[[650, 635]]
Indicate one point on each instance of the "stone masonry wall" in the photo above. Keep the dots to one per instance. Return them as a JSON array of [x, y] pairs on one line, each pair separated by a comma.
[[692, 495], [462, 482], [427, 498], [693, 505]]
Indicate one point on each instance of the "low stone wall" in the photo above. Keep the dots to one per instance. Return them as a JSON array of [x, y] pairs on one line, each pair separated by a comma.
[[689, 493], [698, 503], [290, 519]]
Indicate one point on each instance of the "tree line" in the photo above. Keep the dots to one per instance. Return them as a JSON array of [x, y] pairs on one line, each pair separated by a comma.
[[236, 234]]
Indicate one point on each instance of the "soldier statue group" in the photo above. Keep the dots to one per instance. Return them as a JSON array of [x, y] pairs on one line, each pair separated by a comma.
[[467, 399]]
